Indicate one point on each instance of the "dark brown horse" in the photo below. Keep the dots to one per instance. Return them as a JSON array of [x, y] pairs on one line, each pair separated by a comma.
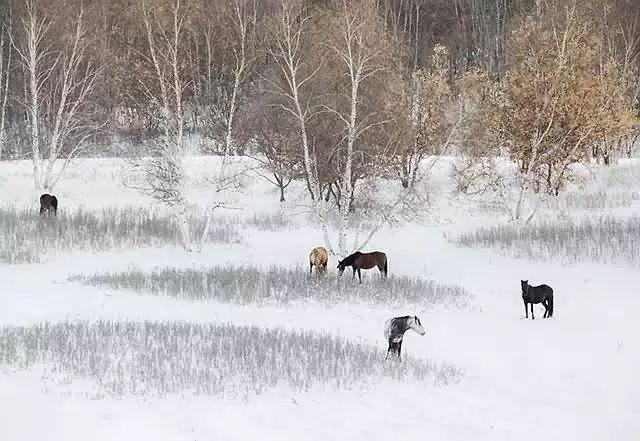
[[359, 261], [48, 204], [537, 294]]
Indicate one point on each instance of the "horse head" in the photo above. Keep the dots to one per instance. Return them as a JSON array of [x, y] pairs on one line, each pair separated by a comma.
[[414, 323], [525, 286], [341, 266]]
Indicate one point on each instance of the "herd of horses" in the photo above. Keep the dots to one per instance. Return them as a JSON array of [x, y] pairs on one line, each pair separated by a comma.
[[396, 327]]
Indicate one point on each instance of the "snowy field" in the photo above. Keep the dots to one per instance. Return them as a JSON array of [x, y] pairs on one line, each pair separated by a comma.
[[110, 331]]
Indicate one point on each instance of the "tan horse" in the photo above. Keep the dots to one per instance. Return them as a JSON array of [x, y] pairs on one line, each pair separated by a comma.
[[318, 257]]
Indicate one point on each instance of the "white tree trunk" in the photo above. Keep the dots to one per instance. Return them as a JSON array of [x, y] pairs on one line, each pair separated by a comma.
[[238, 75], [5, 73], [33, 28], [65, 79], [288, 57]]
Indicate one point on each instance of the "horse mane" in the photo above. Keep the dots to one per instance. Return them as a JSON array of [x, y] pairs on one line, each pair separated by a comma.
[[350, 258]]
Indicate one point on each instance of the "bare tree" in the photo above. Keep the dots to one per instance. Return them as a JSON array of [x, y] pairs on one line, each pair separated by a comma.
[[62, 80], [359, 47], [164, 165], [277, 143], [243, 24], [286, 51], [169, 89], [5, 71], [427, 120]]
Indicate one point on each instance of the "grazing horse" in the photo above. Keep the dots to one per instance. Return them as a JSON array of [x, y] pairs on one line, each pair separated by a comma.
[[394, 330], [537, 294], [48, 204], [358, 261], [318, 257]]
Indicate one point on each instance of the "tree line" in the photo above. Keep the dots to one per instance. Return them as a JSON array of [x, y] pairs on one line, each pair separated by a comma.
[[335, 93]]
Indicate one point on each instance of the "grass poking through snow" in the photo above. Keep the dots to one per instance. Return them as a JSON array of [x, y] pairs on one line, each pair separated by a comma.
[[605, 239], [160, 358], [250, 284], [26, 237]]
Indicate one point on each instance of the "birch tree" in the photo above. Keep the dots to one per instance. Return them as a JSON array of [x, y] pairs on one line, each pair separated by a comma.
[[359, 48], [5, 74], [287, 52], [242, 23], [61, 81], [164, 167]]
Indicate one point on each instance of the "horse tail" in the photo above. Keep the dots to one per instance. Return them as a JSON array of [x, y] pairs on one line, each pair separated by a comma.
[[386, 266], [324, 256]]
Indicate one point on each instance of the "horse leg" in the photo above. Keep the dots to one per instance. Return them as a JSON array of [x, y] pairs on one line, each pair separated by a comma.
[[310, 268], [388, 350], [545, 303], [399, 350], [354, 273], [532, 316], [526, 310], [359, 275]]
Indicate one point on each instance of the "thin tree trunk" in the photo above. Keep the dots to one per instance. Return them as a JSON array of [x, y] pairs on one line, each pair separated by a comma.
[[5, 70]]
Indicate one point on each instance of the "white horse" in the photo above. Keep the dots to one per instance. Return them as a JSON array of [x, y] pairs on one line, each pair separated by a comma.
[[394, 330]]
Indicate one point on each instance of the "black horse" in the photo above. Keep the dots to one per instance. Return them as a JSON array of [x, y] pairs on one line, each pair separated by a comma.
[[394, 330], [358, 261], [48, 204], [537, 294]]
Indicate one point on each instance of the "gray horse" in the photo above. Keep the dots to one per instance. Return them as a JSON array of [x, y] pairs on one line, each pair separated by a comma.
[[394, 330]]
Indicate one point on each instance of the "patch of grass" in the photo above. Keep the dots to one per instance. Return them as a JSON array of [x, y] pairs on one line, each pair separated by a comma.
[[250, 284], [160, 358], [26, 237], [594, 201], [605, 239], [269, 221]]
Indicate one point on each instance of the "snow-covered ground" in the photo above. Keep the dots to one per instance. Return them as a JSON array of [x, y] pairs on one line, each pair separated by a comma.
[[572, 377]]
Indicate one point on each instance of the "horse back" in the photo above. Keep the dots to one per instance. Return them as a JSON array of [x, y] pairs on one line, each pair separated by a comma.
[[375, 258], [546, 289], [536, 294], [48, 200], [318, 256]]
